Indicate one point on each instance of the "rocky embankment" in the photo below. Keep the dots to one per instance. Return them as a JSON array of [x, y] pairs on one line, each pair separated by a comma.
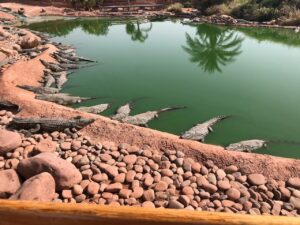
[[70, 168]]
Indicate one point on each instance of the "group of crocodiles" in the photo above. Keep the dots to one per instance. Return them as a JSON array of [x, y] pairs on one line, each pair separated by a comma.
[[56, 74]]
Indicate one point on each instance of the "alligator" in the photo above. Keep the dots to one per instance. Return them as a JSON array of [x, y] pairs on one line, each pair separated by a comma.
[[247, 146], [49, 80], [35, 50], [39, 90], [96, 109], [61, 80], [61, 59], [199, 131], [57, 74], [6, 105], [34, 125], [142, 119], [122, 112], [72, 57], [52, 66], [62, 98]]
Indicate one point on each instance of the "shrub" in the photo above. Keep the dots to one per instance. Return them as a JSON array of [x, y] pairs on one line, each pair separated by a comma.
[[176, 7]]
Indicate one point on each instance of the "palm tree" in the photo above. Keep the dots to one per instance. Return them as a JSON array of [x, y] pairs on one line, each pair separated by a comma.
[[136, 32], [214, 47]]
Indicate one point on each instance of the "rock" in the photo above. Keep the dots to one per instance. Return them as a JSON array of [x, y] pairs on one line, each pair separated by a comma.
[[38, 188], [112, 171], [29, 40], [294, 182], [295, 202], [187, 190], [67, 194], [256, 179], [149, 195], [9, 141], [114, 188], [173, 204], [137, 192], [45, 145], [65, 145], [125, 193], [130, 176], [231, 169], [93, 188], [227, 203], [64, 173], [77, 189], [223, 184], [148, 204], [9, 183], [161, 186], [233, 194], [130, 159], [210, 188]]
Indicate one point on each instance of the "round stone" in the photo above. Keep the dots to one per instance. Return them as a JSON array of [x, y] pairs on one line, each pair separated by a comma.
[[148, 204], [187, 190], [149, 195], [224, 184], [137, 192], [77, 189], [256, 179], [233, 194], [161, 186], [130, 159], [294, 182], [93, 188]]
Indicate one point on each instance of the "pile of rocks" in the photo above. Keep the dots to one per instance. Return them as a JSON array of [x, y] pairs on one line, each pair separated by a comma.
[[68, 167]]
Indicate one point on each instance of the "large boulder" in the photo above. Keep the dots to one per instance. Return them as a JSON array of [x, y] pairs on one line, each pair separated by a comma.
[[29, 40], [9, 141], [38, 188], [9, 183], [64, 173]]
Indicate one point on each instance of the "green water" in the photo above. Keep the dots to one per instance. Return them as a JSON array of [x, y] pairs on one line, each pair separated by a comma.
[[250, 73]]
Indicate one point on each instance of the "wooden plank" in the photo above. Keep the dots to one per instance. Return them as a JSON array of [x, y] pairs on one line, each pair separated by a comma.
[[34, 213]]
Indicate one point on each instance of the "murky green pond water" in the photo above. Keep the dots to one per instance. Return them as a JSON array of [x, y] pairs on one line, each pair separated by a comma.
[[252, 74]]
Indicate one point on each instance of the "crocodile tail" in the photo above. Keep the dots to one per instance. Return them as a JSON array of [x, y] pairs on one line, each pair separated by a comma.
[[171, 108], [133, 101], [222, 117]]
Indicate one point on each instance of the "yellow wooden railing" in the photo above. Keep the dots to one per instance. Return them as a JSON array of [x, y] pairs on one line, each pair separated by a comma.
[[35, 213]]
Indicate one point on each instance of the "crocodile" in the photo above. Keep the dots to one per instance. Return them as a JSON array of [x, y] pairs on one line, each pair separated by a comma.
[[49, 80], [72, 57], [6, 105], [122, 112], [142, 119], [199, 131], [52, 66], [39, 90], [247, 146], [57, 74], [61, 59], [61, 80], [96, 109], [62, 98], [34, 125]]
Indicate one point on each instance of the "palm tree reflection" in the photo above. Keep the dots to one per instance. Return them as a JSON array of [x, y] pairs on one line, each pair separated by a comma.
[[214, 47], [136, 32]]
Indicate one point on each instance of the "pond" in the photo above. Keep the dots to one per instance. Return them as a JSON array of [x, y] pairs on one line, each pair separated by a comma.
[[251, 74]]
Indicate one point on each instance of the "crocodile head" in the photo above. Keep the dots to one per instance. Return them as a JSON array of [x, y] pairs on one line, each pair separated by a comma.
[[81, 122]]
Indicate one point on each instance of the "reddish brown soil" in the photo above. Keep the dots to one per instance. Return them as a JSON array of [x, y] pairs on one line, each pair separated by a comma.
[[104, 129]]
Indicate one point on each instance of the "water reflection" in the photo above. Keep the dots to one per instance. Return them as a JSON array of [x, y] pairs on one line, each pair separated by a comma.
[[213, 47], [137, 32]]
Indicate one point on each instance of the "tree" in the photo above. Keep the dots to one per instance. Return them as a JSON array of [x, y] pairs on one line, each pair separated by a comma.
[[136, 32], [214, 47]]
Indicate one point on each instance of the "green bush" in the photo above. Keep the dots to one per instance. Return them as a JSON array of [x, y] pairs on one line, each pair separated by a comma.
[[176, 7]]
